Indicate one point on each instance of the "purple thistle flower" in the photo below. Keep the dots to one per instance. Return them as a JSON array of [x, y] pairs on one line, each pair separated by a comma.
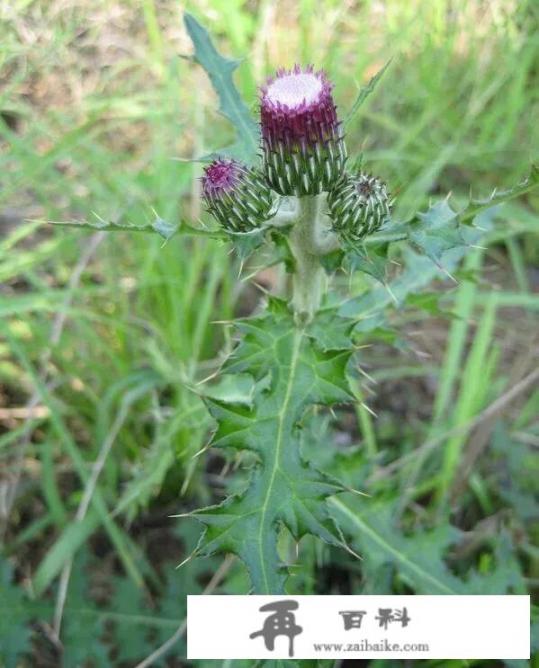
[[220, 177], [303, 146], [236, 195]]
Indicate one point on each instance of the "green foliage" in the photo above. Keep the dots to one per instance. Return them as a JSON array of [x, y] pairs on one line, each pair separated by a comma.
[[220, 70], [369, 261], [292, 369], [463, 114], [15, 613], [436, 231], [419, 560], [84, 627], [130, 639], [518, 473], [441, 236], [245, 243], [159, 226], [526, 187], [105, 621], [442, 229], [366, 90]]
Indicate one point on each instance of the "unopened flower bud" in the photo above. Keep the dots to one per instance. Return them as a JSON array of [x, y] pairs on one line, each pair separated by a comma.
[[236, 195], [358, 206], [303, 146]]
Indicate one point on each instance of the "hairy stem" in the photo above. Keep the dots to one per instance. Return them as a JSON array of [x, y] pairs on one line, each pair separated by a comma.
[[309, 239]]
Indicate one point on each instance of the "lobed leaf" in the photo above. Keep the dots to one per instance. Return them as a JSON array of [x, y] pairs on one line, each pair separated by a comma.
[[438, 241], [416, 558], [475, 207], [371, 262], [436, 231], [159, 226], [441, 233], [220, 71], [420, 559], [292, 371]]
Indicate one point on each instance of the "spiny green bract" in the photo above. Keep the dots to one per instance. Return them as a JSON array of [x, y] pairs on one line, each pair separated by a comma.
[[293, 368], [358, 206], [236, 195], [303, 146]]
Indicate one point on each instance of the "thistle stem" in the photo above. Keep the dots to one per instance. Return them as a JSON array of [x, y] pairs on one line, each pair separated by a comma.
[[283, 218], [309, 280]]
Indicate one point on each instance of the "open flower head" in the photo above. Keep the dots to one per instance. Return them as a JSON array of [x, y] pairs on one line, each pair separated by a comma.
[[236, 195], [358, 206], [303, 146]]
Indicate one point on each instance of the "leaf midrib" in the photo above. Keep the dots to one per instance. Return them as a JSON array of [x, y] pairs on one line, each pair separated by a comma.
[[377, 538], [298, 336]]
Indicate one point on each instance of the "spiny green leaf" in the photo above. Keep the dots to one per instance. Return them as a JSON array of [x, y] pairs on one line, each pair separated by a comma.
[[371, 262], [268, 343], [159, 226], [232, 389], [420, 559], [292, 372], [419, 271], [380, 542], [333, 261], [164, 229], [365, 91], [436, 231], [475, 207], [330, 331], [245, 243], [220, 70], [443, 235], [430, 303]]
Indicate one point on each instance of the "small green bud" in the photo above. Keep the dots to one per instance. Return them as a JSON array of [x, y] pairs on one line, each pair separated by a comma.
[[236, 195], [358, 206]]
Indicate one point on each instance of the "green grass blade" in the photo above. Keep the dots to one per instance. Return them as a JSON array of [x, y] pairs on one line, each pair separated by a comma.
[[474, 386], [70, 540]]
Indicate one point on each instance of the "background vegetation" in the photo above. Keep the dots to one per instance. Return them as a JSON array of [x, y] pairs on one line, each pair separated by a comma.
[[103, 338]]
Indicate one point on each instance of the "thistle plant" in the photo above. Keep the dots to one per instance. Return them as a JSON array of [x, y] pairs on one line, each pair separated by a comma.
[[286, 185]]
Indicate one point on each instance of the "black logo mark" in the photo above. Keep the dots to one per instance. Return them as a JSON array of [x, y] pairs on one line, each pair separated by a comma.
[[281, 623]]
